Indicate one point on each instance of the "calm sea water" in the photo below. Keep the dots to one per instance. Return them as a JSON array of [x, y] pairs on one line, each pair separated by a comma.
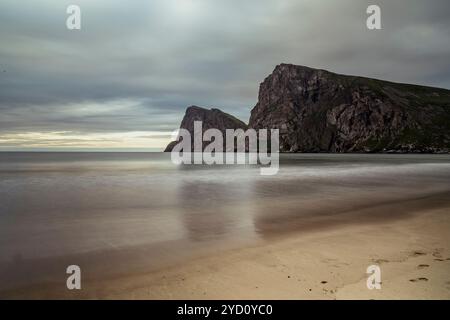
[[116, 212]]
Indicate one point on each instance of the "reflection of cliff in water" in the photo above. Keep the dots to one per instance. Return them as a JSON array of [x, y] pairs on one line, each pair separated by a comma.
[[323, 201], [210, 210]]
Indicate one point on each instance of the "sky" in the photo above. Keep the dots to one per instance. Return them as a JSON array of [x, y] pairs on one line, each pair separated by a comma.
[[124, 80]]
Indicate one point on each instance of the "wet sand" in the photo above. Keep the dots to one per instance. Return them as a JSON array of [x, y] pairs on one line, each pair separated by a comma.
[[329, 262], [140, 227]]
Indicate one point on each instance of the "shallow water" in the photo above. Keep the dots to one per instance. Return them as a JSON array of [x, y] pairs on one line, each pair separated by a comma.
[[115, 212]]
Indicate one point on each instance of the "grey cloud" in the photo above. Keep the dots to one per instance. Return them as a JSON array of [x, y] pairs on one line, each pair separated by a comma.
[[165, 55]]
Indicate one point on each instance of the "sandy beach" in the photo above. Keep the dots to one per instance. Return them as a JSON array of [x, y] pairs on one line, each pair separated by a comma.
[[140, 228], [414, 256], [325, 263]]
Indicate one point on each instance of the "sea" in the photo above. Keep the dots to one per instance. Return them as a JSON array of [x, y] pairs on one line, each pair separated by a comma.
[[115, 213]]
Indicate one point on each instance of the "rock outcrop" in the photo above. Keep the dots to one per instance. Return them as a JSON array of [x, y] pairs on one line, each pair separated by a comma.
[[320, 111], [211, 119]]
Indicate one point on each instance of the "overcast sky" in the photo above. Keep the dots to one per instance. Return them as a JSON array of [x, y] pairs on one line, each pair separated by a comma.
[[125, 79]]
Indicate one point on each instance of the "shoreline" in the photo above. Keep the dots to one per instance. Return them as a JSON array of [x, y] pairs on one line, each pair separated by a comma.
[[412, 251], [324, 264]]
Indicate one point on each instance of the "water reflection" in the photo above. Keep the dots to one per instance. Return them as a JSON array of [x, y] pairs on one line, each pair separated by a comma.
[[119, 212]]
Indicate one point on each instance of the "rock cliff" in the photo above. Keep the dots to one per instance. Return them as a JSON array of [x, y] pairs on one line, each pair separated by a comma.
[[320, 111], [211, 119]]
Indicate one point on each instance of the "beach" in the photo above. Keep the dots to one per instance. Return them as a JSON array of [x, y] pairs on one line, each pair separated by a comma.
[[328, 264], [309, 233]]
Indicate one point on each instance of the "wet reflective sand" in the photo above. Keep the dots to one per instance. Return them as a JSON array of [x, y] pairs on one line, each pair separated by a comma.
[[119, 213]]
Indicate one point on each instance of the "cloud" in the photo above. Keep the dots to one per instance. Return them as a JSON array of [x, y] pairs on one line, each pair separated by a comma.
[[136, 65], [131, 139]]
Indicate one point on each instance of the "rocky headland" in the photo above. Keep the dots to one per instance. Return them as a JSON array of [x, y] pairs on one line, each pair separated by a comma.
[[320, 111]]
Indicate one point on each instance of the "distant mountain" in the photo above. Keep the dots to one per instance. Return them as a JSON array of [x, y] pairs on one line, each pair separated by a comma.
[[211, 119], [321, 111]]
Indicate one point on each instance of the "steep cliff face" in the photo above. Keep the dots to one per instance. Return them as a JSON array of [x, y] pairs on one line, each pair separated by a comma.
[[320, 111], [211, 119]]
